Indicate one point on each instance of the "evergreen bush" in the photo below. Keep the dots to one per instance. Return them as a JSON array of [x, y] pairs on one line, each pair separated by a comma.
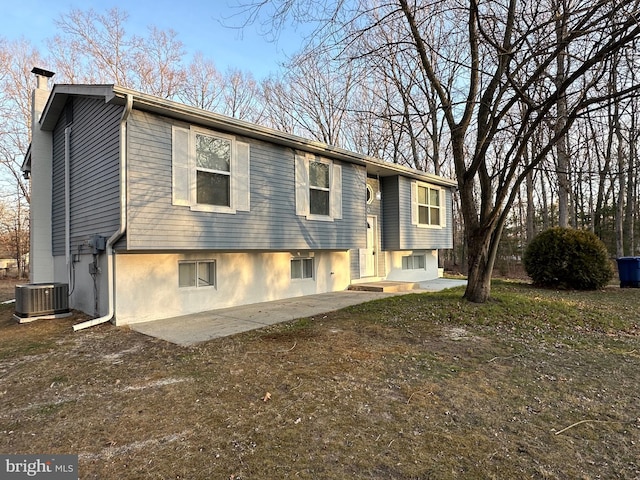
[[568, 258]]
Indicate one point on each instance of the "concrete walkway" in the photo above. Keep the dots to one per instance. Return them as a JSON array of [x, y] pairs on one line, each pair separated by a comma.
[[199, 327]]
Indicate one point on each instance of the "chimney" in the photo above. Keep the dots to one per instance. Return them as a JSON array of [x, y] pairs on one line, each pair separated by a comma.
[[41, 254], [42, 75], [41, 93]]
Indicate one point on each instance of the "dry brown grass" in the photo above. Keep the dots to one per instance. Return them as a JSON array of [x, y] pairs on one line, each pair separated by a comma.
[[8, 288], [412, 387]]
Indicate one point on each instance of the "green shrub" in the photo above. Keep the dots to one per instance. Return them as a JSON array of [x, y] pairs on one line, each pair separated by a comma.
[[568, 258]]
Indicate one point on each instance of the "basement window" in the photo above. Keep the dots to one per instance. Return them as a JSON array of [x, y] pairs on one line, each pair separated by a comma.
[[201, 273], [413, 262], [301, 268]]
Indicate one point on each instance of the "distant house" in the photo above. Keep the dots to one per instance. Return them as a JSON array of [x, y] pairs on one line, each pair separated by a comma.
[[151, 209]]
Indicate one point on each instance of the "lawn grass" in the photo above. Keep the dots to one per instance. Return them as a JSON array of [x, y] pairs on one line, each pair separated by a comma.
[[419, 386]]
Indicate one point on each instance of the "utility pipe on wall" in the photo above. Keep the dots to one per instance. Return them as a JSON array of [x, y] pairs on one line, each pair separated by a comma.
[[111, 287], [67, 193]]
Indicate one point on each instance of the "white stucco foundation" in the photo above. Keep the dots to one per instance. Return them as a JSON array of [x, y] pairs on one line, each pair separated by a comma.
[[396, 273], [147, 284], [82, 291]]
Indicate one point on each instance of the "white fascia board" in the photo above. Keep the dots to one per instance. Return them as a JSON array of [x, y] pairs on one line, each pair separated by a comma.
[[58, 99]]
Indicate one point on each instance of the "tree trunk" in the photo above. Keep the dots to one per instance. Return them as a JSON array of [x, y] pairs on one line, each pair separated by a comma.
[[561, 122], [629, 221], [546, 221], [482, 247], [619, 215], [563, 183], [531, 209]]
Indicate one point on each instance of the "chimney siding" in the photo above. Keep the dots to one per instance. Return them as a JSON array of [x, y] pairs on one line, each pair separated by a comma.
[[41, 254]]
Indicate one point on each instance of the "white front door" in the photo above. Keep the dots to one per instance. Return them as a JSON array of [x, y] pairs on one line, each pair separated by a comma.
[[368, 255]]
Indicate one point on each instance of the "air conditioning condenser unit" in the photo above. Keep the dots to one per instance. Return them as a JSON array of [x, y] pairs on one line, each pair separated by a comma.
[[37, 300]]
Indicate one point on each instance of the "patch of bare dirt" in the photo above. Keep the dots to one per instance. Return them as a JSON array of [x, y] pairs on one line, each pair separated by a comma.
[[535, 384], [8, 288]]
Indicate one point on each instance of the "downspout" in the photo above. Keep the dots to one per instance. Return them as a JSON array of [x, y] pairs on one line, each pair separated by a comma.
[[123, 222], [67, 207]]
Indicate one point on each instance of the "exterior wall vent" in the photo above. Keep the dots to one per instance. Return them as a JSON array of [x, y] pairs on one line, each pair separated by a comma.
[[41, 299]]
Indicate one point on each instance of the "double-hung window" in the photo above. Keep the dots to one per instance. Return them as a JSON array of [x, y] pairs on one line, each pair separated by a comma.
[[427, 205], [213, 170], [210, 171], [318, 188]]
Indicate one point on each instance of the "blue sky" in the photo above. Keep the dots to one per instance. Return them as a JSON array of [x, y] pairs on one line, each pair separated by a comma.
[[200, 26]]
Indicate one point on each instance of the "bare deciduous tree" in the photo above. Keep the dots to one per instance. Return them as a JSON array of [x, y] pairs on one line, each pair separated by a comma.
[[14, 230], [505, 54], [202, 88], [94, 48], [158, 64], [16, 61], [240, 96], [312, 98]]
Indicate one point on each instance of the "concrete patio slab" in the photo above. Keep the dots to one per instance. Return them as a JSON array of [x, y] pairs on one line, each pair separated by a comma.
[[199, 327]]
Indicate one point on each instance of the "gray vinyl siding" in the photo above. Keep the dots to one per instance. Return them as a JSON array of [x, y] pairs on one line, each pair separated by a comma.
[[354, 263], [94, 173], [271, 224], [399, 233], [390, 209]]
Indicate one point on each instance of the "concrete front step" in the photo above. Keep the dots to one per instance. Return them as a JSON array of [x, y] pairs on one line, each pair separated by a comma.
[[384, 286]]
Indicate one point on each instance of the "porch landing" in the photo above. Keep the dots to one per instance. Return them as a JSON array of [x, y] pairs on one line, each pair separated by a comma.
[[386, 286]]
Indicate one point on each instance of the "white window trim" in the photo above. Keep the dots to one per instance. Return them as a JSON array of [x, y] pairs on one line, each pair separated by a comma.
[[413, 256], [302, 258], [204, 207], [303, 188], [329, 165], [196, 262], [415, 216], [184, 176], [370, 194]]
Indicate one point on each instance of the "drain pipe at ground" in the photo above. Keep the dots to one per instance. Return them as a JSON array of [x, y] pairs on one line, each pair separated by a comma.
[[111, 288]]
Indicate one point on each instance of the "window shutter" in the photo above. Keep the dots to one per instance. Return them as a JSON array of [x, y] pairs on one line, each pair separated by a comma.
[[336, 192], [242, 191], [443, 207], [180, 168], [302, 185], [414, 203]]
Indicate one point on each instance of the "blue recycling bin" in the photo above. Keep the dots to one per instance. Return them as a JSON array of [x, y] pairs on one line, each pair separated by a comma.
[[629, 272]]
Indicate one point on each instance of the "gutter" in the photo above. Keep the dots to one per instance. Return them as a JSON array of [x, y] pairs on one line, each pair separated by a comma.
[[123, 222]]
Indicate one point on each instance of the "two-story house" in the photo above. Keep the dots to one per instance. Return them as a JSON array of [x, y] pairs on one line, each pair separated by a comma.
[[151, 209]]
